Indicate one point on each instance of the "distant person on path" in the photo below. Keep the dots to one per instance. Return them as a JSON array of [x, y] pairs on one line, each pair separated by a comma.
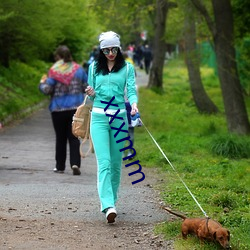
[[108, 77], [138, 56], [65, 84], [92, 57], [147, 54]]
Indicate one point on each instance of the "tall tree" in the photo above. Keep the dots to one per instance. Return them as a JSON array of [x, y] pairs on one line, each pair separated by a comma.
[[223, 38], [126, 17], [159, 44], [28, 33], [201, 99]]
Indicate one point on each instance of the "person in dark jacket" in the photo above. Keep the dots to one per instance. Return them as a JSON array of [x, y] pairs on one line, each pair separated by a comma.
[[147, 54]]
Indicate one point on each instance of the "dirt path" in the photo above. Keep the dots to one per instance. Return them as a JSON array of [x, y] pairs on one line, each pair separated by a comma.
[[43, 210]]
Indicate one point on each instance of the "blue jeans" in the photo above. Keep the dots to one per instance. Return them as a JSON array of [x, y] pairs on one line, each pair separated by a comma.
[[108, 156]]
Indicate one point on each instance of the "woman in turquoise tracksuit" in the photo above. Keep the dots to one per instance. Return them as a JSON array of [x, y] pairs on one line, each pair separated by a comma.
[[108, 77]]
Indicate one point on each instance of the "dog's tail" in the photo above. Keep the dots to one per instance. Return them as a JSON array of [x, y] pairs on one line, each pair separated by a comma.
[[175, 213]]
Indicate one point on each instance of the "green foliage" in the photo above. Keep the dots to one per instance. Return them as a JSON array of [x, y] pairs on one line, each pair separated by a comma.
[[175, 28], [241, 17], [175, 25], [29, 33], [19, 87], [224, 200], [231, 146], [219, 183], [128, 18], [243, 59]]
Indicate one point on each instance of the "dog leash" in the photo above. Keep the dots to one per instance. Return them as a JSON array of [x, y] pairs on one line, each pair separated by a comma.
[[174, 169]]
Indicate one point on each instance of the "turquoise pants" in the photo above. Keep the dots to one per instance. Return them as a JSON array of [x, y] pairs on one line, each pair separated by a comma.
[[108, 156]]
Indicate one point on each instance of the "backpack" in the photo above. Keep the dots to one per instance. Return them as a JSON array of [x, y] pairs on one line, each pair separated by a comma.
[[81, 126]]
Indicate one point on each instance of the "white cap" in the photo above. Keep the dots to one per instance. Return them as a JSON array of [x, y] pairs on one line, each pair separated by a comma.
[[109, 39]]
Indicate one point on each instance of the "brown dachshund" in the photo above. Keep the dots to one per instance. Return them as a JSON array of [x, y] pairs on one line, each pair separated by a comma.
[[204, 229]]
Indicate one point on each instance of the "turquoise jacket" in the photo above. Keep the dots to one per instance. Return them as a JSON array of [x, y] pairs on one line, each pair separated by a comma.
[[113, 84]]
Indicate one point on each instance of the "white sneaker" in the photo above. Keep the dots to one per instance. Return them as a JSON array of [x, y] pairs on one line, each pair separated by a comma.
[[111, 214], [58, 171], [130, 154], [76, 170]]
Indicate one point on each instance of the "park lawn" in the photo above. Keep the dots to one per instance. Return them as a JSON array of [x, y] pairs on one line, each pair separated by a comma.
[[219, 182]]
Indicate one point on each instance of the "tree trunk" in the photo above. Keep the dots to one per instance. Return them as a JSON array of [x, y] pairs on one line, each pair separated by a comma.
[[201, 99], [235, 109], [223, 38], [159, 47]]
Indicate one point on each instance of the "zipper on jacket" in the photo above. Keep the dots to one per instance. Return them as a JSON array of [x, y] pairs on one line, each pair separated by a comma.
[[109, 83]]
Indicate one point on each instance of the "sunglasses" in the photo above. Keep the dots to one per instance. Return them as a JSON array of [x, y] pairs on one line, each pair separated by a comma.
[[106, 51]]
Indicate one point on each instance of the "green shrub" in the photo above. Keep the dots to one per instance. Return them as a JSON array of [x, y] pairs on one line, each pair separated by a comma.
[[223, 200], [19, 88], [231, 146], [211, 129]]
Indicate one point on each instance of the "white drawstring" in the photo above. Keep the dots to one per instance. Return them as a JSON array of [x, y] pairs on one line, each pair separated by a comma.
[[108, 111]]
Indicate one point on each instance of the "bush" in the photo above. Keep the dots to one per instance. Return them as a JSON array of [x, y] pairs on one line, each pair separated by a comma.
[[231, 146], [224, 200], [19, 88]]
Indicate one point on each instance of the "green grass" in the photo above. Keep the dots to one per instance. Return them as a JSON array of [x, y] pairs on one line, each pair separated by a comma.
[[19, 88], [214, 164]]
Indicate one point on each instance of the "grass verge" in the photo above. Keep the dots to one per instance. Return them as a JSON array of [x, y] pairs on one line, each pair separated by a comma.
[[19, 89], [214, 164]]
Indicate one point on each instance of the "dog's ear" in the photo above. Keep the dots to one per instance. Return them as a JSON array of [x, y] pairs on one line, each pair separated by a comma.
[[214, 235], [228, 237]]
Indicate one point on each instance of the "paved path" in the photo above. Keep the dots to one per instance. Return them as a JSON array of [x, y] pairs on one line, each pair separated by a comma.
[[141, 78], [30, 190]]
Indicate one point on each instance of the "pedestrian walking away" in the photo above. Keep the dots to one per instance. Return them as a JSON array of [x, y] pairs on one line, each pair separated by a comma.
[[65, 83], [147, 54], [108, 77]]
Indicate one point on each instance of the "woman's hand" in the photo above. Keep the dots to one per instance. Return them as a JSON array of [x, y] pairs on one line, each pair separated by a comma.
[[90, 91], [134, 109], [43, 79]]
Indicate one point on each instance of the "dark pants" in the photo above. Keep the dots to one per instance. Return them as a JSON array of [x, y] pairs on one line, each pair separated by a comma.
[[147, 66], [62, 122]]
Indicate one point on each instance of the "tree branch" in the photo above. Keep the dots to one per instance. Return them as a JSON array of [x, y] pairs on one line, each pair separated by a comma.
[[202, 9]]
